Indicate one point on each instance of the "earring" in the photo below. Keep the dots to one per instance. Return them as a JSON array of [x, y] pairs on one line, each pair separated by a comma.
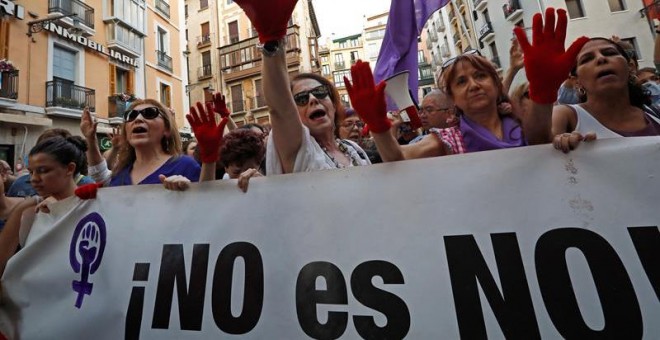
[[581, 91]]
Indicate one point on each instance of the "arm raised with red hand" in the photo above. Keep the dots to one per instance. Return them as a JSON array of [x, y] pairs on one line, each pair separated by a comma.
[[547, 65], [209, 136], [220, 107]]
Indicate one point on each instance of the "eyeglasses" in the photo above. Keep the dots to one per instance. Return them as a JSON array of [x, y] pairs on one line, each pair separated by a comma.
[[430, 110], [147, 113], [302, 98], [450, 61], [351, 124]]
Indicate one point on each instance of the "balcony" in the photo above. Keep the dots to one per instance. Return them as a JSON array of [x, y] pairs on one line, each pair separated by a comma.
[[440, 24], [486, 32], [444, 50], [433, 35], [84, 12], [237, 106], [242, 59], [9, 83], [163, 7], [480, 4], [425, 75], [258, 102], [512, 10], [204, 72], [340, 65], [204, 40], [117, 107], [63, 93], [164, 60], [457, 38]]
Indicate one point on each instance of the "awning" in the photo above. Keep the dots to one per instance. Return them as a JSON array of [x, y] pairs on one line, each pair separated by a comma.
[[25, 120]]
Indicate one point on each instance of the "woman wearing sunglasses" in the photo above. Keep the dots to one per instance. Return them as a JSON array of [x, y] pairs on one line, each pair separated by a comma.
[[151, 153], [305, 111]]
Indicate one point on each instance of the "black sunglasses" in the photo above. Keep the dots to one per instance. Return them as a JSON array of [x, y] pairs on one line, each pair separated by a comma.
[[147, 113], [319, 92], [450, 61]]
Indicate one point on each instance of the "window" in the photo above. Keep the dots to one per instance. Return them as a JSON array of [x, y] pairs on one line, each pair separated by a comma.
[[121, 81], [574, 8], [233, 32], [339, 77], [185, 10], [237, 98], [165, 95], [635, 52], [4, 38], [64, 63], [486, 16], [260, 101], [420, 57], [203, 4], [354, 57], [617, 5], [324, 59], [206, 34], [339, 58], [326, 70], [493, 52], [206, 64], [161, 40]]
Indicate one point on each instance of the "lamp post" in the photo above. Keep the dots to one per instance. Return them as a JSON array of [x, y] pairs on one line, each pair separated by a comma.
[[37, 26]]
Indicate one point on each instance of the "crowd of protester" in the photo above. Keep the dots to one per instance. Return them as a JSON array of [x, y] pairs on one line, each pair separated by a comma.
[[594, 89]]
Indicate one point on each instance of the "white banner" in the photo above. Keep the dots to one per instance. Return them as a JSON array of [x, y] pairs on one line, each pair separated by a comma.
[[521, 243]]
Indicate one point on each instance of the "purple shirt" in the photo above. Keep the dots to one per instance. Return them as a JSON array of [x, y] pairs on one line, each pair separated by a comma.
[[478, 138], [177, 165]]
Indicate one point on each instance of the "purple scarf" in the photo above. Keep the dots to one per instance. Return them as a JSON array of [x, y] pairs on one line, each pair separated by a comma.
[[478, 138]]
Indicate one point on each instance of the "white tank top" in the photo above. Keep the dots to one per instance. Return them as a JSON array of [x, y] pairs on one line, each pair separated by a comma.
[[587, 123]]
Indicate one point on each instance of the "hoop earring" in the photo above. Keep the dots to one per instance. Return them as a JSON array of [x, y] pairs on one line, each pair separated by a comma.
[[581, 91]]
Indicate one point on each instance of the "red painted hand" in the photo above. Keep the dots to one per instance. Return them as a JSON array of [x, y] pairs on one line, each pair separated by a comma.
[[547, 64], [368, 99]]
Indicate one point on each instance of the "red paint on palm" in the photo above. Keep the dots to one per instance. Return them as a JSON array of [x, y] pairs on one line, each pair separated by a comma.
[[86, 192], [368, 99], [415, 121], [547, 63], [220, 105], [269, 17], [207, 132]]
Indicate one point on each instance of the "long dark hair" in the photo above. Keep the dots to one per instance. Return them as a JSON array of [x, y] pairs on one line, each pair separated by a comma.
[[639, 96], [334, 96]]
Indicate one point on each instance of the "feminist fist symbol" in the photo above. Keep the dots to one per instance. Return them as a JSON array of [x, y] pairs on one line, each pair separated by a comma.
[[88, 241]]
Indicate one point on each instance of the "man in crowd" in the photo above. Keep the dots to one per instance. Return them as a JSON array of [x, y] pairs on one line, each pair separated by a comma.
[[437, 112]]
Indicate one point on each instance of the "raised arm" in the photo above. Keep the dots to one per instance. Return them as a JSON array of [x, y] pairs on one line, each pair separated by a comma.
[[515, 65], [88, 129], [208, 134], [547, 65], [270, 19]]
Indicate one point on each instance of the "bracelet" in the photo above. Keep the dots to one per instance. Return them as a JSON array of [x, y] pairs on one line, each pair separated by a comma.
[[270, 48]]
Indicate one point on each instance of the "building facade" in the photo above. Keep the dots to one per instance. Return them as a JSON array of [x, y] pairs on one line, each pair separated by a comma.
[[239, 67], [344, 53], [78, 54], [622, 18]]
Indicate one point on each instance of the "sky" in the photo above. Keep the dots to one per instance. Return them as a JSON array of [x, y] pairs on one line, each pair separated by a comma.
[[345, 17]]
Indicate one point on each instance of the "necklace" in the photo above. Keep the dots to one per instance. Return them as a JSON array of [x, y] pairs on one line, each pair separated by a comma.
[[342, 147]]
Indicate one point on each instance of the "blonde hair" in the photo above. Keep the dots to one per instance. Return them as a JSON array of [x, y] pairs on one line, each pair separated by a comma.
[[170, 145]]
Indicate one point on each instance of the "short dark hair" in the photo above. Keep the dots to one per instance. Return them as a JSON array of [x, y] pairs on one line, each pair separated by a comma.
[[65, 150], [241, 146]]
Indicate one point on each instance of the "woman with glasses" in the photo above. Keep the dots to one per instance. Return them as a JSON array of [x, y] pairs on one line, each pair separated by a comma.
[[151, 153], [305, 115], [474, 86], [351, 127]]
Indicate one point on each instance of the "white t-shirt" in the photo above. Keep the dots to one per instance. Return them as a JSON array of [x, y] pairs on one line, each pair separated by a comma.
[[587, 123], [310, 156]]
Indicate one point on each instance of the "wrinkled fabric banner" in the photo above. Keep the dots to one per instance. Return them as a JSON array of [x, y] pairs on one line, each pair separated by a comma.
[[399, 49], [524, 243]]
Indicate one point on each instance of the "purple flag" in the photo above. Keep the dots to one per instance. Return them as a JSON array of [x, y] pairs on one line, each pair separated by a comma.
[[399, 49]]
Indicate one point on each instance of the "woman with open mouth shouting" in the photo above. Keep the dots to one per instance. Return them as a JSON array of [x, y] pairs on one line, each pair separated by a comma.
[[304, 111], [151, 154]]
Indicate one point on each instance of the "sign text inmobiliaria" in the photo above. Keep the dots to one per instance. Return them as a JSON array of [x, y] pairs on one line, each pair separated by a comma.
[[91, 44]]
